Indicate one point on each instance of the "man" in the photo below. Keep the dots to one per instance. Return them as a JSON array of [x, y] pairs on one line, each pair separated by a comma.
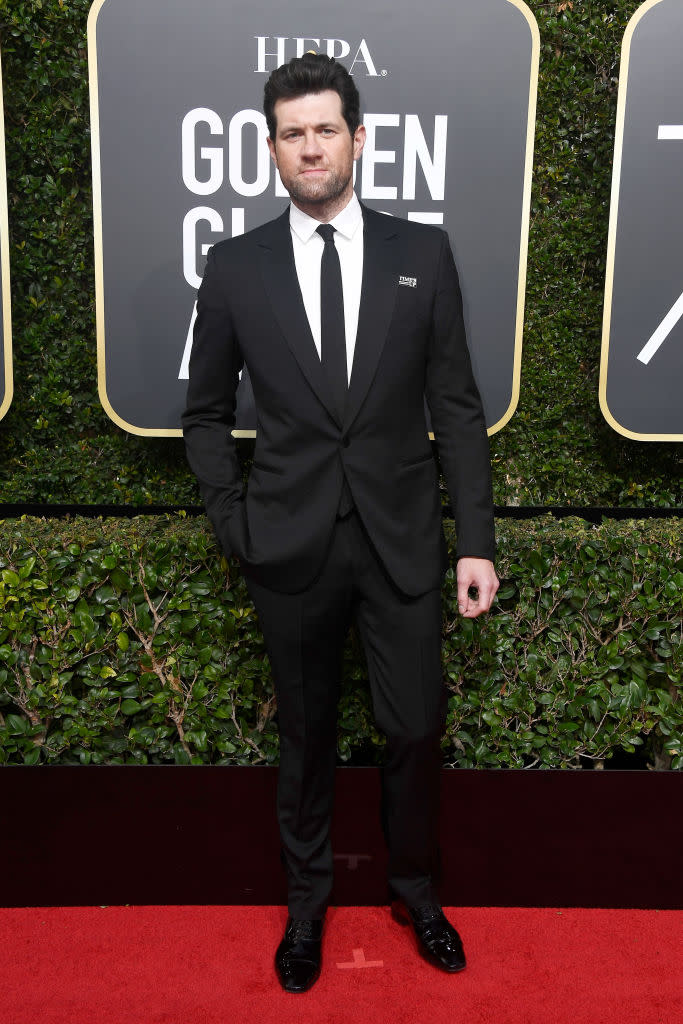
[[345, 319]]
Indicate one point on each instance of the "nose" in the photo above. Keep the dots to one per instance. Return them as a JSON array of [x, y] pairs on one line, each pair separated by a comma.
[[311, 148]]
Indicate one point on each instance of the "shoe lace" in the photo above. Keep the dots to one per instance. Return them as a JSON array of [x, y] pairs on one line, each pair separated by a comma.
[[299, 930], [426, 913]]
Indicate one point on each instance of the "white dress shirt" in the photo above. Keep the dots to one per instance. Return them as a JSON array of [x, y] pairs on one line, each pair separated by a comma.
[[308, 251]]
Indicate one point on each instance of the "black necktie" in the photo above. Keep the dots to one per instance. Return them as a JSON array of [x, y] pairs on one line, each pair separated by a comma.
[[332, 329], [333, 337]]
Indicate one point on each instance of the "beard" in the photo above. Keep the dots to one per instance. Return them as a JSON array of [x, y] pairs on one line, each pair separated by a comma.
[[315, 190]]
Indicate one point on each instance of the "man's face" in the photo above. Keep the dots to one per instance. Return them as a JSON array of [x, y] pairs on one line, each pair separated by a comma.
[[314, 151]]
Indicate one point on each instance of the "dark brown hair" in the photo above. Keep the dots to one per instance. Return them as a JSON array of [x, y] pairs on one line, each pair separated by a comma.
[[314, 72]]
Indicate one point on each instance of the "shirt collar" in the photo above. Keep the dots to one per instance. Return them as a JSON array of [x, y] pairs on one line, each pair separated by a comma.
[[346, 222]]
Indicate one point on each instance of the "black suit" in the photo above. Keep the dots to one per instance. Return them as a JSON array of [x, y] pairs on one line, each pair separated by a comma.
[[307, 571]]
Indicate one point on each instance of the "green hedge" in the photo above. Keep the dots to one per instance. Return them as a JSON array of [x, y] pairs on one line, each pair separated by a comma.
[[581, 663], [127, 642], [56, 444]]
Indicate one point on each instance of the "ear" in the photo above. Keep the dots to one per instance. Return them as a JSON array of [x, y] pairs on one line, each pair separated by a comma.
[[271, 150], [358, 141]]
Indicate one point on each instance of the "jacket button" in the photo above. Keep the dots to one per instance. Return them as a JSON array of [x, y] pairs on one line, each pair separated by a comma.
[[345, 441]]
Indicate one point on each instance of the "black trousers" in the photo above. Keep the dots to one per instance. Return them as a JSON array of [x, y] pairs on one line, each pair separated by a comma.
[[401, 636]]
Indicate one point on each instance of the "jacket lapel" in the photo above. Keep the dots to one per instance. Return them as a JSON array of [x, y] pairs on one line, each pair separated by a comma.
[[377, 301], [282, 287]]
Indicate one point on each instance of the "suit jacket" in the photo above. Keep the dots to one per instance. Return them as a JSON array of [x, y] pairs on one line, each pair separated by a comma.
[[410, 344]]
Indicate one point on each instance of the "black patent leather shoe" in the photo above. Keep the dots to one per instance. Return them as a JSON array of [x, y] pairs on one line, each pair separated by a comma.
[[297, 960], [437, 940]]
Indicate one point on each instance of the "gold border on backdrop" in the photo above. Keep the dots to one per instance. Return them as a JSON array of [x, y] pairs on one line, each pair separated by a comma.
[[4, 266], [97, 230], [99, 257], [526, 212], [612, 236]]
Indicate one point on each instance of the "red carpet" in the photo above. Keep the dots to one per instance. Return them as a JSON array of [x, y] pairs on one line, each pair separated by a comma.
[[205, 965]]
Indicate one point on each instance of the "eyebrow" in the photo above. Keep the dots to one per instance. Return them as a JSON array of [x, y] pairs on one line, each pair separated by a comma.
[[295, 127]]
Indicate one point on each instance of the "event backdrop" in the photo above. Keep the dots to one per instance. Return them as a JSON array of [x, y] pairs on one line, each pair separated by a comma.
[[5, 309], [180, 160], [641, 378]]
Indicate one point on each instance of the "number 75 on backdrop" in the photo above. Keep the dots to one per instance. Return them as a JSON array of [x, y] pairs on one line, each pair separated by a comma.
[[641, 376]]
